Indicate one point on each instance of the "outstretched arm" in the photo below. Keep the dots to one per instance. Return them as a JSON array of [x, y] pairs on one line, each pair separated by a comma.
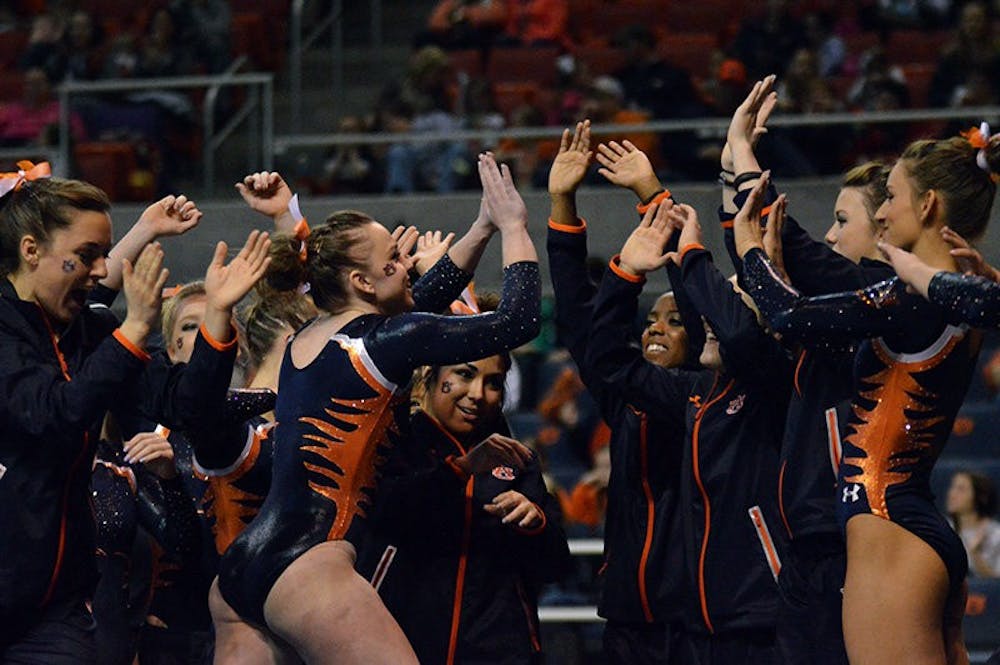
[[170, 216], [267, 193]]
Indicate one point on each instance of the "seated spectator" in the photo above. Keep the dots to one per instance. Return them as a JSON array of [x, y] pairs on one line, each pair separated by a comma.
[[829, 47], [879, 86], [537, 23], [30, 121], [464, 24], [969, 63], [205, 27], [351, 169], [45, 47], [162, 53], [423, 96], [85, 42], [895, 14], [605, 104], [767, 40], [972, 505], [652, 84]]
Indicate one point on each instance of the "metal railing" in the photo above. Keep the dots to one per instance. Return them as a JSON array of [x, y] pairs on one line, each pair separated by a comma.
[[259, 99], [284, 142], [299, 43]]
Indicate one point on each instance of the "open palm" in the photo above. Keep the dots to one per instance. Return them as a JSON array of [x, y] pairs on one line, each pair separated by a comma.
[[226, 284], [571, 164]]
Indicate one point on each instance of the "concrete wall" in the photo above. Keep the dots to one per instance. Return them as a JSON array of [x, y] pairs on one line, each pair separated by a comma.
[[609, 212]]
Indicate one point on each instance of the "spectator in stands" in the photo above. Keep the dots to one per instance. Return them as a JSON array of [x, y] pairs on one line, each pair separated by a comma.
[[912, 13], [766, 43], [85, 50], [464, 24], [29, 121], [351, 169], [969, 69], [45, 47], [423, 94], [804, 90], [879, 85], [536, 23], [972, 505], [829, 47], [652, 84], [605, 104], [162, 53], [205, 27]]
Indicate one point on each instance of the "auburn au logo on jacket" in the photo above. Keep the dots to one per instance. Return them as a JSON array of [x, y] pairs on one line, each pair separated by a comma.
[[503, 473]]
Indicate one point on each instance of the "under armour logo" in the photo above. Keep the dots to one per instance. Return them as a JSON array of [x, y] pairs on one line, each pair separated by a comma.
[[852, 492]]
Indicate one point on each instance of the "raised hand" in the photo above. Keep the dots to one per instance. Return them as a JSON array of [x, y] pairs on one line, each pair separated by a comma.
[[746, 224], [749, 121], [170, 216], [431, 248], [626, 166], [154, 451], [227, 284], [495, 450], [570, 165], [685, 218], [515, 509], [143, 287], [266, 192], [968, 258], [504, 205], [772, 235], [406, 239], [644, 250]]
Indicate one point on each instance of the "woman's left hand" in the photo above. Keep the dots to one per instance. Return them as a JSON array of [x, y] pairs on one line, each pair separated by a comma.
[[516, 509], [225, 285]]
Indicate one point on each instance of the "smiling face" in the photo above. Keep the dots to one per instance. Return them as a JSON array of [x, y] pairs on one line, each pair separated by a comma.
[[387, 272], [664, 340], [61, 272], [900, 215], [467, 398], [853, 234]]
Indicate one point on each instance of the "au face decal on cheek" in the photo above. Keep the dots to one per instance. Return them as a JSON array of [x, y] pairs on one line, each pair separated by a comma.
[[446, 387], [69, 266], [389, 269]]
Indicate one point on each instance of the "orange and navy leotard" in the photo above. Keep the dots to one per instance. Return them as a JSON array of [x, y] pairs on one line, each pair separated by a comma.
[[339, 416], [911, 373]]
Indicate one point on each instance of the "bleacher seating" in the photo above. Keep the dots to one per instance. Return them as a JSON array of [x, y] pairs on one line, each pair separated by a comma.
[[982, 614]]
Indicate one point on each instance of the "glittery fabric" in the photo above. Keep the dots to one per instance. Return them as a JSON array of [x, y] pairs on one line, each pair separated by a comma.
[[911, 372], [439, 286], [967, 298], [242, 404], [339, 416]]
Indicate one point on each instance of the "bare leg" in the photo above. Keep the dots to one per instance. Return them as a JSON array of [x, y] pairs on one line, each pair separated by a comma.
[[894, 596], [239, 643], [954, 638], [330, 615]]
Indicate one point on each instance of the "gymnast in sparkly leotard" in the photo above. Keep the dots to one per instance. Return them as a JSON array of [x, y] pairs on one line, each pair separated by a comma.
[[287, 582], [905, 566]]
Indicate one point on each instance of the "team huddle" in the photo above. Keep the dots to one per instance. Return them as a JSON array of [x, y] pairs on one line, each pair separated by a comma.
[[353, 494]]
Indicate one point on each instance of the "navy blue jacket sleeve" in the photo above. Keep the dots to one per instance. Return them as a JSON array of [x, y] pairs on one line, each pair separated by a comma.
[[621, 365], [439, 287], [748, 350], [967, 298], [399, 344], [37, 398], [187, 396], [167, 513], [812, 266]]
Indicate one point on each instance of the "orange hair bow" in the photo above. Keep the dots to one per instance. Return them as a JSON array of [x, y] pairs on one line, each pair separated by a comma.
[[979, 138], [301, 233], [468, 303], [27, 171]]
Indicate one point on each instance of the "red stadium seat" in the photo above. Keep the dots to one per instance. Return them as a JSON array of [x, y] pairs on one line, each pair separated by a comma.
[[12, 43], [601, 60], [535, 64], [689, 51], [113, 167], [918, 80], [469, 61], [916, 46], [510, 95]]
